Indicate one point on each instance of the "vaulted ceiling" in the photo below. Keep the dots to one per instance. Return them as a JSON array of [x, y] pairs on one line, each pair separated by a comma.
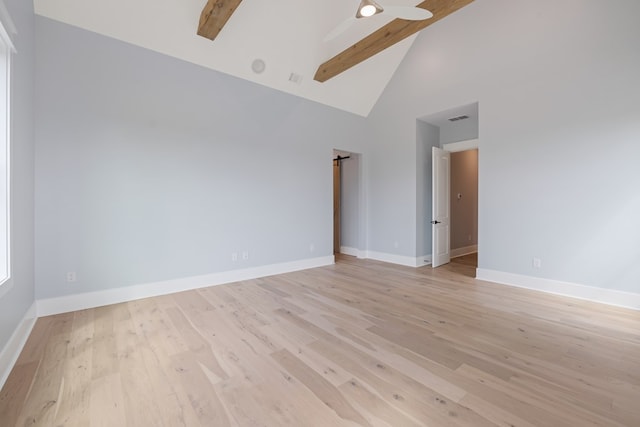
[[280, 44]]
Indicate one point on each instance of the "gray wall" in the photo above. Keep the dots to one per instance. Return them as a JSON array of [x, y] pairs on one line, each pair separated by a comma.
[[150, 168], [462, 130], [19, 298], [464, 210], [559, 134]]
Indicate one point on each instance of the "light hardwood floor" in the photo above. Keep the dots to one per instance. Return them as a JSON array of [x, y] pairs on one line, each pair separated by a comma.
[[361, 343]]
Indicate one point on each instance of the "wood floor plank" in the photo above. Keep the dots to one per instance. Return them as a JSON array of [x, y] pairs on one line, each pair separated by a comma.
[[104, 350], [107, 402], [16, 390], [73, 406], [359, 343], [200, 390], [400, 389], [41, 406], [140, 405], [375, 407], [323, 389], [560, 412]]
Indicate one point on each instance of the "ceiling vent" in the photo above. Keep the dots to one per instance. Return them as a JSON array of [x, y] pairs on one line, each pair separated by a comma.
[[295, 78], [455, 119]]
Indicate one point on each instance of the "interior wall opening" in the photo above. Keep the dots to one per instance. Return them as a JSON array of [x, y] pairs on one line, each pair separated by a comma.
[[347, 201], [456, 131]]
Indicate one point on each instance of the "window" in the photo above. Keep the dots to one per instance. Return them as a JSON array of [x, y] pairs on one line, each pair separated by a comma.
[[6, 48]]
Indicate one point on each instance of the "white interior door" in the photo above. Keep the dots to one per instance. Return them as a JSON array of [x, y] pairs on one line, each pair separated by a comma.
[[440, 219]]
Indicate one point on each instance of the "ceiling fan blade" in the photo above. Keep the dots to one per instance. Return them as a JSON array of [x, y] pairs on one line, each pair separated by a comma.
[[407, 12], [341, 28]]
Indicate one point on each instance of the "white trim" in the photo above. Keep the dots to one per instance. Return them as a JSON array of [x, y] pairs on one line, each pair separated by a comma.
[[4, 37], [86, 300], [4, 32], [351, 251], [472, 249], [453, 147], [11, 351], [399, 259], [589, 293], [5, 19]]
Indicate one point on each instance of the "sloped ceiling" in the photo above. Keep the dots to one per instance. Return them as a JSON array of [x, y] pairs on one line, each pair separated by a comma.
[[288, 36]]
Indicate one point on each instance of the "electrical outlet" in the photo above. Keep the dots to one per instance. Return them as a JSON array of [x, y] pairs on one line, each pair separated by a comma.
[[537, 263], [71, 277], [245, 255], [312, 247], [234, 256]]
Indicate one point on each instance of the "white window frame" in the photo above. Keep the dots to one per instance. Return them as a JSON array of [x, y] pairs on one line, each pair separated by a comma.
[[6, 50]]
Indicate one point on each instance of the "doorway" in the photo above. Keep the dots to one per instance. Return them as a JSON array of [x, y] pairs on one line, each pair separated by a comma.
[[455, 201], [347, 203], [337, 184], [452, 231], [464, 202]]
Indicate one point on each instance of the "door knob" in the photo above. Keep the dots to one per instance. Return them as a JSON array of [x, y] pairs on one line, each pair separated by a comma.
[[434, 222]]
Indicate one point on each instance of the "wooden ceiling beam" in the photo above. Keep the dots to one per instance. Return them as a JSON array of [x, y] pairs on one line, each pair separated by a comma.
[[395, 31], [214, 16]]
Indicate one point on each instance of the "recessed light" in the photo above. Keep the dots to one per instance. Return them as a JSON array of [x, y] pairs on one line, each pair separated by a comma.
[[258, 66], [368, 10]]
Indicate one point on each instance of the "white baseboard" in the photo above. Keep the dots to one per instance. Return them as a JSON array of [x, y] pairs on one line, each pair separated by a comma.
[[399, 259], [351, 251], [472, 249], [64, 304], [13, 348], [589, 293], [391, 258]]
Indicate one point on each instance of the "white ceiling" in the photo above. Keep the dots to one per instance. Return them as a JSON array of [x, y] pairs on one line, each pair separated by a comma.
[[286, 34]]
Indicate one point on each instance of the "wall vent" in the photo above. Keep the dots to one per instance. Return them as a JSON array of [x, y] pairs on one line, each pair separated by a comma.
[[455, 119]]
